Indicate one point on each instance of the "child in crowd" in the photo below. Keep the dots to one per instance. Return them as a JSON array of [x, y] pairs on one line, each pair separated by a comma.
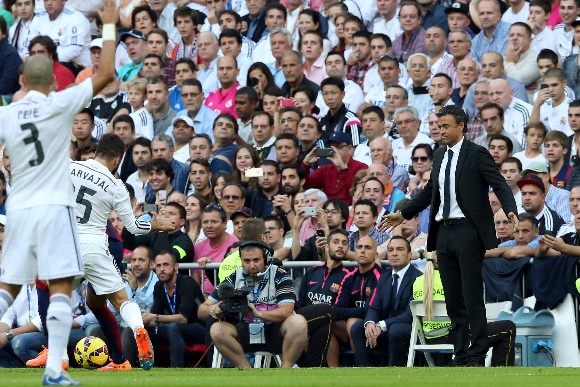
[[555, 147], [534, 134]]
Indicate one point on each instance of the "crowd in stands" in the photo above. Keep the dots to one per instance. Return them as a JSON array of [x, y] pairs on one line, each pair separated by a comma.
[[298, 124]]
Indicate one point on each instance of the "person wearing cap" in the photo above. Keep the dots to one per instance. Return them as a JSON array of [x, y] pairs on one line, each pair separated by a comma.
[[68, 28], [18, 33], [183, 131], [136, 44], [337, 178], [213, 249], [338, 119], [556, 198], [238, 218], [458, 18], [95, 48], [534, 201]]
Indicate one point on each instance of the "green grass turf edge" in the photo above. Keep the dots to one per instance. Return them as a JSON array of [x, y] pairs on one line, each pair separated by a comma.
[[351, 377]]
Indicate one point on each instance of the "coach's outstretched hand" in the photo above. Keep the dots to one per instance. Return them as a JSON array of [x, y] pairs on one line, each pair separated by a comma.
[[390, 221], [513, 218]]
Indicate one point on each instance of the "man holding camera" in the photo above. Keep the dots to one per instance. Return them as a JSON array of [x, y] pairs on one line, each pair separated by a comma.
[[337, 178], [268, 323], [173, 317]]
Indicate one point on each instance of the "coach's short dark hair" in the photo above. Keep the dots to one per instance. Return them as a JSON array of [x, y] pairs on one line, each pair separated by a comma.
[[458, 114]]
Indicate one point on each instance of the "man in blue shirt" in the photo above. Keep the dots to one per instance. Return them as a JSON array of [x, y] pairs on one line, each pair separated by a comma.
[[524, 244], [494, 32], [202, 116]]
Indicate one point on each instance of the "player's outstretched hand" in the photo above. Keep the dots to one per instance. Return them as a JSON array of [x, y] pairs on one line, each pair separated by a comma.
[[162, 224], [390, 221], [110, 13]]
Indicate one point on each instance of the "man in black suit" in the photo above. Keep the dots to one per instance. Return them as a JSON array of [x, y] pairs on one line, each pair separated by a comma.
[[461, 228], [255, 19], [387, 325]]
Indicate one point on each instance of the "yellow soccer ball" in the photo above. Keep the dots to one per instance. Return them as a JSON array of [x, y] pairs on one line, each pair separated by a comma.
[[91, 352]]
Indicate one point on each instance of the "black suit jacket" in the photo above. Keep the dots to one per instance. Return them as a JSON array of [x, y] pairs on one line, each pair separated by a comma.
[[380, 308], [128, 167], [475, 173], [568, 155], [257, 35]]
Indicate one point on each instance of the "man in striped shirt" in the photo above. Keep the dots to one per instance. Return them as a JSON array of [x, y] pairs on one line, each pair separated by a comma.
[[516, 112], [338, 118], [533, 200]]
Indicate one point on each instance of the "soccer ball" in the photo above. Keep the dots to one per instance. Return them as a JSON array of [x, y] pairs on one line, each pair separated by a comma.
[[91, 352]]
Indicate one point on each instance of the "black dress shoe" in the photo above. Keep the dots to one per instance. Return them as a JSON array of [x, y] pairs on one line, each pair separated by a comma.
[[477, 361], [459, 361]]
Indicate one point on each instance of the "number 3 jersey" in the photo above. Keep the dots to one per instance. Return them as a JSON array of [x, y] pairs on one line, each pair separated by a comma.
[[36, 132], [97, 193]]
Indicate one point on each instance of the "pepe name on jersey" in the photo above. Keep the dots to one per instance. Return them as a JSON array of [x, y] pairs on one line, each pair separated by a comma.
[[89, 177], [28, 114]]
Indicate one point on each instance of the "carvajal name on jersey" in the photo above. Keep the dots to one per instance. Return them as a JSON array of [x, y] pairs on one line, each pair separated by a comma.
[[90, 177]]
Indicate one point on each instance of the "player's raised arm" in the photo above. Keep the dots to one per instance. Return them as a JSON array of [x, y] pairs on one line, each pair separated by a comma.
[[106, 70]]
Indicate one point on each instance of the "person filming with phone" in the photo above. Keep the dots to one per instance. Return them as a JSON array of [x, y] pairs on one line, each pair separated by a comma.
[[334, 179]]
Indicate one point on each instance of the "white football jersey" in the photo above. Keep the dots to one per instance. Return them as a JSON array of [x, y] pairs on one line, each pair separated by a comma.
[[97, 194], [70, 31], [36, 132]]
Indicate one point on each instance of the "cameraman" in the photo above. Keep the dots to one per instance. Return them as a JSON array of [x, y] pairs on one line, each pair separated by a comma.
[[270, 316]]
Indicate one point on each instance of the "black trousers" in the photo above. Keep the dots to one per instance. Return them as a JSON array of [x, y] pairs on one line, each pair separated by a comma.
[[320, 319], [502, 338], [460, 254]]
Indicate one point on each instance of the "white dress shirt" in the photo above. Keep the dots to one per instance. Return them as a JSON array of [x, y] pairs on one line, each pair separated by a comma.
[[455, 211]]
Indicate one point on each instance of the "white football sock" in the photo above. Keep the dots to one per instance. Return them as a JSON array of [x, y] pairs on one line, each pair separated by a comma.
[[58, 322], [131, 313]]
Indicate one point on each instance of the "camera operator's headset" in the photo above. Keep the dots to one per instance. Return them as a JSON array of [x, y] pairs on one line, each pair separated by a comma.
[[267, 251]]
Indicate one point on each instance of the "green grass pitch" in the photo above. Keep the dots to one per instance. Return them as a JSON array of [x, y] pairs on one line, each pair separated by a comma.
[[351, 377]]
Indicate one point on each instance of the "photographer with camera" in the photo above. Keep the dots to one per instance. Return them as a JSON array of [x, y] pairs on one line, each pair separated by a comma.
[[255, 307]]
